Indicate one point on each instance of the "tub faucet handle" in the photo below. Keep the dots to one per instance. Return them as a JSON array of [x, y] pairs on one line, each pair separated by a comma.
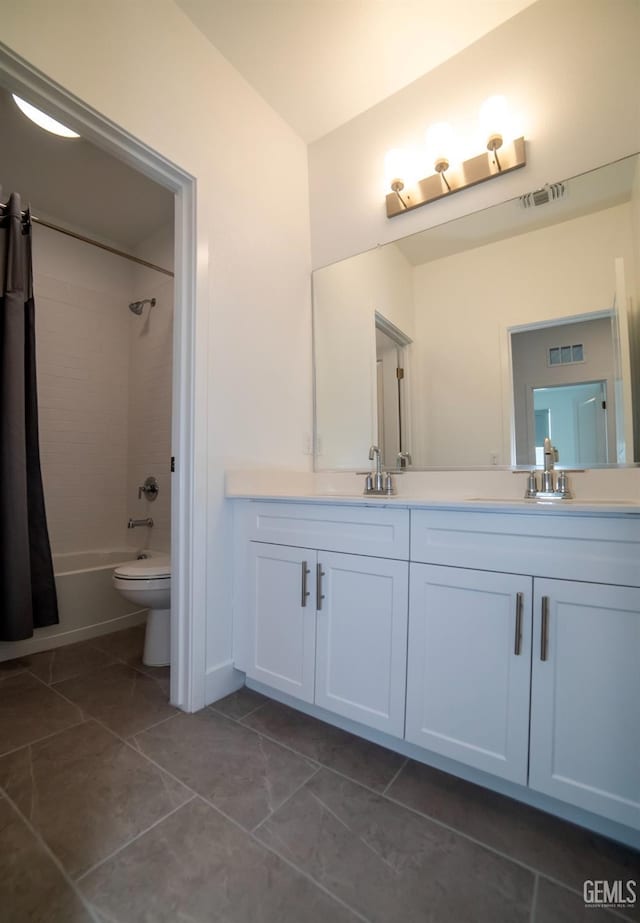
[[150, 489]]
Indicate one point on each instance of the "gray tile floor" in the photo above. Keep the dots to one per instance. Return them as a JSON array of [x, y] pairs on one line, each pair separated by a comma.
[[115, 807]]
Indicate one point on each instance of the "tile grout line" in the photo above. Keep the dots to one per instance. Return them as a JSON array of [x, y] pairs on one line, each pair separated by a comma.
[[151, 726], [196, 795], [133, 839], [240, 718], [509, 858], [40, 740], [519, 862], [273, 811], [534, 900], [395, 776], [240, 721], [310, 878], [52, 856], [537, 873]]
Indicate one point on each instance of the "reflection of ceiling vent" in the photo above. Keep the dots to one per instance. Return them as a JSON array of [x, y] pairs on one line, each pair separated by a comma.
[[549, 193]]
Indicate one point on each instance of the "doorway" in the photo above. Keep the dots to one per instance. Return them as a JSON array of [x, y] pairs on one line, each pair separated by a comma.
[[564, 387], [188, 579], [392, 393], [574, 418]]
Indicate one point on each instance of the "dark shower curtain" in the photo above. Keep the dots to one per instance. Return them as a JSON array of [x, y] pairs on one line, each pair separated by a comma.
[[27, 588]]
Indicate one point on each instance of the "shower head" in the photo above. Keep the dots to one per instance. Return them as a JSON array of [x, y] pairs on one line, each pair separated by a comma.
[[136, 307]]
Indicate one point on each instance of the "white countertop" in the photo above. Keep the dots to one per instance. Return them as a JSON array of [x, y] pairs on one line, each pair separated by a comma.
[[494, 505], [612, 493]]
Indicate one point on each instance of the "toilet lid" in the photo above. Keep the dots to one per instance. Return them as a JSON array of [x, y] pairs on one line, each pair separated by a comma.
[[157, 565]]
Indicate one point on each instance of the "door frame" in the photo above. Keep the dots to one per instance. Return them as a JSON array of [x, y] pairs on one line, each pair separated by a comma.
[[188, 519]]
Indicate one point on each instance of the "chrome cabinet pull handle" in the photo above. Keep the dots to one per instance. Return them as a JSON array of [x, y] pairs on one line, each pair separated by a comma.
[[518, 642], [305, 591], [544, 629], [319, 594]]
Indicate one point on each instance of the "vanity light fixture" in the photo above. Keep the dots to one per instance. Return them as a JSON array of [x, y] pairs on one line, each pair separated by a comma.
[[449, 176], [43, 120]]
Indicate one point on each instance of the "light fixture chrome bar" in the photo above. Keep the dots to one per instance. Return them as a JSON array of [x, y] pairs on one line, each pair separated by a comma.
[[469, 173]]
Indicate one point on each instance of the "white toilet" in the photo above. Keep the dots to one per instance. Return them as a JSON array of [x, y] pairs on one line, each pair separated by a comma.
[[147, 583]]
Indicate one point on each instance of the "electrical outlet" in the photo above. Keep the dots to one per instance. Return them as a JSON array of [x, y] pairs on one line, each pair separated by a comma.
[[493, 458], [307, 444]]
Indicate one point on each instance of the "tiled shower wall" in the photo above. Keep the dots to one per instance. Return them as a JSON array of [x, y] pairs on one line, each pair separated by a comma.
[[85, 350], [150, 379]]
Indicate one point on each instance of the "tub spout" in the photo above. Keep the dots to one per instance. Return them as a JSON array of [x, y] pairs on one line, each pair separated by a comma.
[[134, 523]]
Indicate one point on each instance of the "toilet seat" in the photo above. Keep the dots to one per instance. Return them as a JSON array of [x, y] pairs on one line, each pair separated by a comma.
[[154, 568]]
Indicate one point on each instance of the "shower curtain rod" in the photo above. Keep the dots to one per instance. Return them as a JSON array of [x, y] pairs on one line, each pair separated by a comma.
[[96, 243]]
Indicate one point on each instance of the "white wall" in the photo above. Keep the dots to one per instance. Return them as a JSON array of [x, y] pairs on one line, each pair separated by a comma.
[[465, 305], [346, 297], [148, 69], [82, 349], [571, 67], [634, 307]]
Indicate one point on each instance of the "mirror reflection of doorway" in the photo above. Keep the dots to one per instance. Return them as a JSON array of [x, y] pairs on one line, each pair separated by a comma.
[[564, 387], [574, 417], [391, 392]]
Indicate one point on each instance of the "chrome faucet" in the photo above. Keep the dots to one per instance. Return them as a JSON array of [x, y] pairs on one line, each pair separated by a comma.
[[374, 453], [551, 488], [378, 483], [549, 464]]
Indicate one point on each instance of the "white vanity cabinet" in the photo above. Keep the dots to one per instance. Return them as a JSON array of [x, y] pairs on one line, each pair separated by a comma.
[[330, 626], [581, 634], [494, 644], [469, 667], [282, 630], [585, 697]]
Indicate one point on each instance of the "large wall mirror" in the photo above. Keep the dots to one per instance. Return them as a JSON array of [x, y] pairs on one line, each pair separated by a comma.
[[466, 344]]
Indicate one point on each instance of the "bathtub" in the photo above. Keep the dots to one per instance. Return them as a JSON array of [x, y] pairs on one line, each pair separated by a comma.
[[88, 605]]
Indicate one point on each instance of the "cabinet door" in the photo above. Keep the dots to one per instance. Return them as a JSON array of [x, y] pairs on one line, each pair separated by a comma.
[[585, 697], [469, 667], [362, 639], [282, 625]]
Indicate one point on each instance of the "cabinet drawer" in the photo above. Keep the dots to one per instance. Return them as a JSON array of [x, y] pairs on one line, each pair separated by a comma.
[[381, 533], [569, 547]]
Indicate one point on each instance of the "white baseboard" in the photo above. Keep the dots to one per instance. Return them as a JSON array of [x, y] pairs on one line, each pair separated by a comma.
[[12, 649], [221, 680]]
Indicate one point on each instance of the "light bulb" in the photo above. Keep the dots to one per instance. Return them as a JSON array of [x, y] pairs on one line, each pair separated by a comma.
[[399, 169], [493, 117], [43, 120], [441, 152]]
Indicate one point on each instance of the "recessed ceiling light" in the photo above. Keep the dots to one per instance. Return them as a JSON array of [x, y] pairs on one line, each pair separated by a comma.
[[43, 120]]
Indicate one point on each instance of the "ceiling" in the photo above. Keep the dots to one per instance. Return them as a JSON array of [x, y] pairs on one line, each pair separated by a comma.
[[75, 184], [319, 63]]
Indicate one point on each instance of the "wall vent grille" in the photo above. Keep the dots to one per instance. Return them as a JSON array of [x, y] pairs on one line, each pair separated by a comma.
[[552, 192], [565, 355]]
